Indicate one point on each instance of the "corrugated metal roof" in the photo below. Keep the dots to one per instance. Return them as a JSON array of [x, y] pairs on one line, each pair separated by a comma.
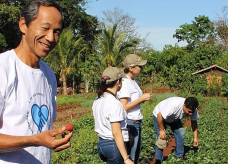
[[211, 67]]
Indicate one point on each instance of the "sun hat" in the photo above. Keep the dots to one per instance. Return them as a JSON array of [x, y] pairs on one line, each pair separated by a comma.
[[160, 143], [111, 74], [132, 60]]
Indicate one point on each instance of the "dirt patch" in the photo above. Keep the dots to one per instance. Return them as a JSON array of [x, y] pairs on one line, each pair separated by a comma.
[[156, 90], [68, 113], [160, 90], [66, 107]]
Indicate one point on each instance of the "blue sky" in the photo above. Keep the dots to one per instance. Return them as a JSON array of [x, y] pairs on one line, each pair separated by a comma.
[[160, 18]]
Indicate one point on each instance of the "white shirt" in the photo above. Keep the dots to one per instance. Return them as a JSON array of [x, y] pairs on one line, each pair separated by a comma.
[[172, 109], [27, 106], [108, 109], [131, 90]]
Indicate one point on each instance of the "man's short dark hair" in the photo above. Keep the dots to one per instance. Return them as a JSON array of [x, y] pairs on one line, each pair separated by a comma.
[[191, 102], [30, 11]]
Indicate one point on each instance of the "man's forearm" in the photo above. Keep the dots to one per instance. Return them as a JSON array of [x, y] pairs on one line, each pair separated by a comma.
[[12, 143], [194, 128], [160, 122]]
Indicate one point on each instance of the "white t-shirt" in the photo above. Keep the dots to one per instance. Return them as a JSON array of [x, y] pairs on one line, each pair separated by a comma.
[[108, 109], [131, 90], [172, 109], [27, 106]]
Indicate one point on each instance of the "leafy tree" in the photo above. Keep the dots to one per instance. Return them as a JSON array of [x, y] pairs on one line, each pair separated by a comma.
[[179, 64], [9, 31], [3, 44], [77, 19], [201, 30], [83, 24], [15, 2], [152, 68], [223, 60], [90, 71], [170, 57], [64, 57]]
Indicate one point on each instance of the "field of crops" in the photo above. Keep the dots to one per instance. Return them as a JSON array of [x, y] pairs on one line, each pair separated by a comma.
[[212, 126]]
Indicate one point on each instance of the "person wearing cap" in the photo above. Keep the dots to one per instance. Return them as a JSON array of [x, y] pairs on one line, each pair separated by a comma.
[[169, 112], [110, 119], [131, 96]]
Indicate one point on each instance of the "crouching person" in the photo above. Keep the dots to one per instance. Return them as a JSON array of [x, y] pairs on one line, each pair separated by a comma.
[[170, 112]]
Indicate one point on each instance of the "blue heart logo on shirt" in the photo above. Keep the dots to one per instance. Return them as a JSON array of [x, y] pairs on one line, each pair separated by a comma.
[[39, 115]]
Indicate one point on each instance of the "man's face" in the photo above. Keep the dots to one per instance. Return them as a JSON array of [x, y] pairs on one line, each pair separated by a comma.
[[188, 111], [42, 34]]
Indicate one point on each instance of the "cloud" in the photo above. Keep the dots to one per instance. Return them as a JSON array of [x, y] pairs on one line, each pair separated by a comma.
[[158, 37]]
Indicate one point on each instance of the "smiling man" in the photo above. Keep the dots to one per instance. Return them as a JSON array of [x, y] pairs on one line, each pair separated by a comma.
[[170, 112], [28, 89]]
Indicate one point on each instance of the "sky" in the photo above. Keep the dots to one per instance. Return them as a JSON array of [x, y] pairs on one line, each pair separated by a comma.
[[159, 18]]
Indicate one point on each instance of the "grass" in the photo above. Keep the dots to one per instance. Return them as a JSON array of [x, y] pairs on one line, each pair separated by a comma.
[[74, 99]]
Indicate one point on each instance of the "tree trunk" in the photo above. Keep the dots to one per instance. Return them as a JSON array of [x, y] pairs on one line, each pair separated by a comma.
[[93, 86], [87, 85], [64, 85], [73, 86]]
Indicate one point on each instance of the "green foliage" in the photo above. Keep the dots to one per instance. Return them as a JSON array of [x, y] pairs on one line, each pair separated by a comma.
[[199, 84], [3, 43], [174, 66], [91, 71], [75, 99], [224, 88], [212, 133], [195, 33], [83, 144], [112, 44], [78, 20], [213, 88], [64, 58], [152, 68], [223, 60], [9, 32]]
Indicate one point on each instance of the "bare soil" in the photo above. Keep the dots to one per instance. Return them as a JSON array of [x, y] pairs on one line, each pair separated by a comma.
[[68, 114]]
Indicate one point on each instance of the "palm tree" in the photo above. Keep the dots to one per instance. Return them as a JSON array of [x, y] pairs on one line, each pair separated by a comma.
[[63, 59], [113, 44]]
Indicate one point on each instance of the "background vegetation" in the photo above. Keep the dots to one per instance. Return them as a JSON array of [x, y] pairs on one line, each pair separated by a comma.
[[88, 45]]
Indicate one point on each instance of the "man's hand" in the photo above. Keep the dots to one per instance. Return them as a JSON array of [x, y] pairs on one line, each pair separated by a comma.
[[48, 139], [162, 134], [195, 133], [195, 142]]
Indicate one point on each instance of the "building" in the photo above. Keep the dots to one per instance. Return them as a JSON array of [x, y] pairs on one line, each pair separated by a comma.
[[214, 73]]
